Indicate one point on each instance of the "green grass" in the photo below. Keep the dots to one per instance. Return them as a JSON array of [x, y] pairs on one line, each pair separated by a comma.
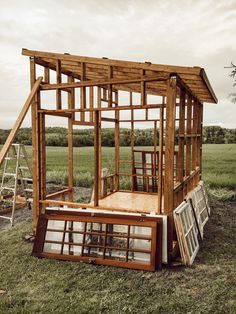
[[219, 166], [48, 286], [35, 285]]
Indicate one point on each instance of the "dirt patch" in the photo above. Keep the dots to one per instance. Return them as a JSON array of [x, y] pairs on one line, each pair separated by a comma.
[[81, 194]]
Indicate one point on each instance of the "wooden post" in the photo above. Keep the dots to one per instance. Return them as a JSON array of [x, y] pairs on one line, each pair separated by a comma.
[[97, 172], [160, 157], [117, 143], [132, 141], [200, 138], [180, 162], [42, 159], [194, 135], [46, 75], [188, 139], [169, 161], [83, 91], [91, 103], [110, 75], [58, 91], [34, 119], [71, 105]]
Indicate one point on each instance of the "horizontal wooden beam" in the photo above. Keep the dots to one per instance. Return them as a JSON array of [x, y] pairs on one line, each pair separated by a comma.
[[84, 205], [58, 193], [162, 77], [105, 62], [134, 107], [75, 122], [109, 119]]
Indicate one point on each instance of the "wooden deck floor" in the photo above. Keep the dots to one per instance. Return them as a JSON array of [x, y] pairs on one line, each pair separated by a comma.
[[130, 202]]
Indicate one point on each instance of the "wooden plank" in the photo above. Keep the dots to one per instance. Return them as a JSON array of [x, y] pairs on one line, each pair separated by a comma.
[[160, 158], [64, 111], [117, 142], [180, 162], [70, 67], [103, 82], [96, 158], [20, 119], [105, 62], [82, 91], [71, 104], [46, 75], [110, 76], [188, 139], [169, 161], [91, 102], [42, 159], [194, 138], [58, 92]]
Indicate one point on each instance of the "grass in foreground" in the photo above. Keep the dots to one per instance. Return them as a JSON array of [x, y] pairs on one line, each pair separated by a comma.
[[47, 286]]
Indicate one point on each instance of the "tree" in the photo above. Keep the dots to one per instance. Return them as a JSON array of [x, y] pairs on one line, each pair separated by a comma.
[[233, 75]]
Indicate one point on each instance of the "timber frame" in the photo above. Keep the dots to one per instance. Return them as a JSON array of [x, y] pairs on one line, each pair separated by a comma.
[[176, 115]]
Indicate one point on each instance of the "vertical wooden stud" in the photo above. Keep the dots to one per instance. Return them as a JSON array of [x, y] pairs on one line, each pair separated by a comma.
[[97, 172], [169, 161], [110, 75], [188, 139], [83, 91], [58, 91], [91, 103], [160, 157], [180, 161], [71, 105], [117, 141]]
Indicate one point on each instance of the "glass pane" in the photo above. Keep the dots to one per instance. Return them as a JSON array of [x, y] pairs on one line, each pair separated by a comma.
[[115, 254], [140, 231], [139, 257], [52, 248], [94, 239], [54, 236], [93, 251], [140, 244], [75, 237], [56, 224], [75, 226], [117, 242]]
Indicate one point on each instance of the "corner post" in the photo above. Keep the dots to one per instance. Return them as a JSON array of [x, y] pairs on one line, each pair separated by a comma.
[[169, 161], [35, 146]]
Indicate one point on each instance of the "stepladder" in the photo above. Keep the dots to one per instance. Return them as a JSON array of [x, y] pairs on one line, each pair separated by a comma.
[[16, 184]]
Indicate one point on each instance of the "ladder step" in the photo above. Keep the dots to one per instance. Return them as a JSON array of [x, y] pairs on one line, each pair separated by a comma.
[[27, 179], [10, 158], [8, 174], [7, 188], [5, 217], [28, 190], [23, 168]]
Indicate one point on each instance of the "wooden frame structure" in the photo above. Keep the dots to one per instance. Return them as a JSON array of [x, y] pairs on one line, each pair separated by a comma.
[[95, 90]]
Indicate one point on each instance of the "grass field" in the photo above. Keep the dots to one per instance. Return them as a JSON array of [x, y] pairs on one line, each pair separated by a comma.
[[219, 166], [34, 285]]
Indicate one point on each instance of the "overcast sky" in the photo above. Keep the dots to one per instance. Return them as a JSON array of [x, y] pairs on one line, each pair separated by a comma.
[[188, 33]]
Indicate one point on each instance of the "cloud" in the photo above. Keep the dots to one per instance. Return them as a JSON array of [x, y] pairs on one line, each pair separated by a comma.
[[184, 32]]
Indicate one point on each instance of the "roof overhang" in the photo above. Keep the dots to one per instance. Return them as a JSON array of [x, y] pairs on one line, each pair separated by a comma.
[[97, 68]]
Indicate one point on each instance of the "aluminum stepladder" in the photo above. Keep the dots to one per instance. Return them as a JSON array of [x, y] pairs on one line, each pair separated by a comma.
[[16, 179]]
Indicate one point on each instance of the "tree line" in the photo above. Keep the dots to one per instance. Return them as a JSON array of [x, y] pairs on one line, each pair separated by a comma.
[[57, 136]]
